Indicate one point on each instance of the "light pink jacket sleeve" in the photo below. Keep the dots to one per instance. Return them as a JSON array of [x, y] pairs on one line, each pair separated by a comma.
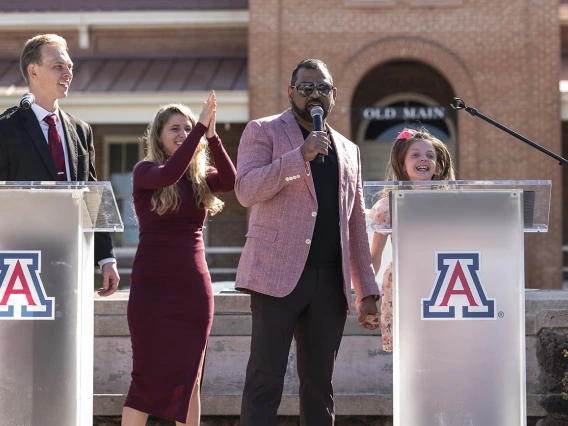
[[260, 176]]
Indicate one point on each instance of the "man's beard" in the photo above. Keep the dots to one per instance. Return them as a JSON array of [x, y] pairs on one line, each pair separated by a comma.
[[305, 115]]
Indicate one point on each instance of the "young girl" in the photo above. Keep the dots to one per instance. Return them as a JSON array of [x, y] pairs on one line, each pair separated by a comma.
[[416, 155]]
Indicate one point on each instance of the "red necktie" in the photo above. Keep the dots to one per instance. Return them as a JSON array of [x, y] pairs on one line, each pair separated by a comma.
[[55, 146]]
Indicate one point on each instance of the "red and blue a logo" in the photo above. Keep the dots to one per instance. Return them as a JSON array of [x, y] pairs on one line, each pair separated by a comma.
[[458, 292], [22, 295]]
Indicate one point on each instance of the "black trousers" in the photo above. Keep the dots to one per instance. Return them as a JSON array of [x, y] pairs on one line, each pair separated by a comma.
[[314, 314]]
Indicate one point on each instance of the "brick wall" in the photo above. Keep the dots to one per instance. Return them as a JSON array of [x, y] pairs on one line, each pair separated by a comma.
[[500, 57]]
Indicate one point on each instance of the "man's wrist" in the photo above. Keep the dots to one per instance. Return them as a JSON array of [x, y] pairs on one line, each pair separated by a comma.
[[107, 260], [374, 296]]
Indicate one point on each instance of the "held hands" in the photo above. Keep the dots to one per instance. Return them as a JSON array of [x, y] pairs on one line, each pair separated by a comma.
[[367, 313], [110, 279], [316, 143], [207, 115]]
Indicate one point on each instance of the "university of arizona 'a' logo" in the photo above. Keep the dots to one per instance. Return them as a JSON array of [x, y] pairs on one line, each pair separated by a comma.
[[22, 295], [458, 292]]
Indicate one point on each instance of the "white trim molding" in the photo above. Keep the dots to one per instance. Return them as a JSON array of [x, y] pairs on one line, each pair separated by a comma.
[[564, 100], [139, 108], [563, 14], [124, 20]]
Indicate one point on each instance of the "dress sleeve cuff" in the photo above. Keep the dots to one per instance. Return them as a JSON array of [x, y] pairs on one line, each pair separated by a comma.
[[201, 126], [214, 138]]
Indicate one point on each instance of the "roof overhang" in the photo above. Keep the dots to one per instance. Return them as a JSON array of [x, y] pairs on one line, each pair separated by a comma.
[[139, 108]]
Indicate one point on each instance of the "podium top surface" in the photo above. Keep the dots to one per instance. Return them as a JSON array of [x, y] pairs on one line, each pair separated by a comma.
[[99, 209], [536, 195]]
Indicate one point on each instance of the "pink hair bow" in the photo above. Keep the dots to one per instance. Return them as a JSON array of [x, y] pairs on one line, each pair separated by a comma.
[[406, 134]]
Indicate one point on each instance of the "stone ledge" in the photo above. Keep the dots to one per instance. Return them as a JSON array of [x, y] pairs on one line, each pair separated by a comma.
[[551, 299], [544, 309], [552, 318], [230, 405], [223, 325], [346, 405], [235, 302], [363, 377]]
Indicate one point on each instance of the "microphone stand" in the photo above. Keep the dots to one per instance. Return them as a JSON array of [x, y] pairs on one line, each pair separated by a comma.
[[460, 104]]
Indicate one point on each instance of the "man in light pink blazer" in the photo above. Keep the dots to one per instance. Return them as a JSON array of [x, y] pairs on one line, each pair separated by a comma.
[[306, 244]]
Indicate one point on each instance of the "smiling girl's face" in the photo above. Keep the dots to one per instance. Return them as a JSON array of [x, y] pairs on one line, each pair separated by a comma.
[[174, 132], [420, 160]]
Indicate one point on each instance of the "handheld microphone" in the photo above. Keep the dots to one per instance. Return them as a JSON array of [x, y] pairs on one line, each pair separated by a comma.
[[317, 117], [27, 101]]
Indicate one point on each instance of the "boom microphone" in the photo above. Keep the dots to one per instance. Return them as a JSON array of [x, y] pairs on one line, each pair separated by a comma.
[[27, 101], [317, 117]]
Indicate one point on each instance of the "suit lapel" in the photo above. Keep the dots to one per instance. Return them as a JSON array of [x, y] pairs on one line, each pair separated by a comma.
[[342, 159], [32, 127], [292, 129], [72, 139]]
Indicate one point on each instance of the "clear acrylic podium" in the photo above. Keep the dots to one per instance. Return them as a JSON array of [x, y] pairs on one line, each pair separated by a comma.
[[46, 299], [458, 297]]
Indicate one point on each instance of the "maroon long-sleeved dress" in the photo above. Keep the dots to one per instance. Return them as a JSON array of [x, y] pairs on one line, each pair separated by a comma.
[[170, 310]]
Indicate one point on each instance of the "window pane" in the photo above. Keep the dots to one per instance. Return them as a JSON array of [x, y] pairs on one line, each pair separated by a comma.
[[115, 158], [123, 158], [132, 156], [117, 237], [130, 223]]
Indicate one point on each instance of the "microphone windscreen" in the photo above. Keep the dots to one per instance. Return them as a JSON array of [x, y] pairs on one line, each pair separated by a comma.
[[27, 101], [316, 111]]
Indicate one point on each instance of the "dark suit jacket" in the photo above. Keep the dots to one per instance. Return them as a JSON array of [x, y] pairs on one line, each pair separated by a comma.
[[25, 156]]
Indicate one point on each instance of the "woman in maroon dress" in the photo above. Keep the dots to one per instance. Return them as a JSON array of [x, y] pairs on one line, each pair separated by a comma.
[[170, 309]]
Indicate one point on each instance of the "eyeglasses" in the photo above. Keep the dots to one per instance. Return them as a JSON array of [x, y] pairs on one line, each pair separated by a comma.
[[306, 88]]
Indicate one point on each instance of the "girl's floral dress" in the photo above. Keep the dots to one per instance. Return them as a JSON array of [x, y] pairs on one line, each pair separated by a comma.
[[380, 220]]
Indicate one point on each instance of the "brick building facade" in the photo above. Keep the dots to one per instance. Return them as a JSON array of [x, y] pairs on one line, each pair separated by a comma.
[[504, 58], [501, 57]]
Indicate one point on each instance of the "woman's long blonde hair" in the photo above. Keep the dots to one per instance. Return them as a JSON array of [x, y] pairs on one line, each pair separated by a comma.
[[168, 198]]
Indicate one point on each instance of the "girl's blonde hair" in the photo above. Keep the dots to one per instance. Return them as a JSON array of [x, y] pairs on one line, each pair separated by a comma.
[[395, 167], [165, 199]]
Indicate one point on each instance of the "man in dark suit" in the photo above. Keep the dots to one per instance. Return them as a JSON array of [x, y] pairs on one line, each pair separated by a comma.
[[44, 143]]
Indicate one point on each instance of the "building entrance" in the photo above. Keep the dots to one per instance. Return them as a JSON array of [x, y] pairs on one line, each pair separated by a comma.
[[397, 95]]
